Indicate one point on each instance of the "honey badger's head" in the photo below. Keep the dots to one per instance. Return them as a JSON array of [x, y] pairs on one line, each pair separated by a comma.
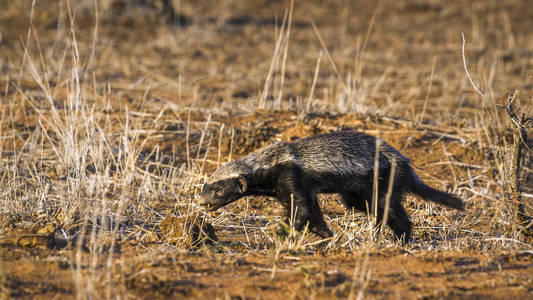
[[221, 192]]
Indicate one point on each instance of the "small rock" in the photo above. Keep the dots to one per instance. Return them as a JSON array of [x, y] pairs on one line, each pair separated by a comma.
[[190, 231]]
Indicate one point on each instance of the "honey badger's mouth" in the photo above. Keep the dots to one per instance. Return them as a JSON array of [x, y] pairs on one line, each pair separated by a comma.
[[210, 204], [210, 207]]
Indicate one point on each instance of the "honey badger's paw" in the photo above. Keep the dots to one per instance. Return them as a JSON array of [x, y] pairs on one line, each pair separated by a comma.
[[321, 230]]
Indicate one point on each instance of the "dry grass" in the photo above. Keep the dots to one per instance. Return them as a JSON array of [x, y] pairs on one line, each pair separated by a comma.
[[111, 119]]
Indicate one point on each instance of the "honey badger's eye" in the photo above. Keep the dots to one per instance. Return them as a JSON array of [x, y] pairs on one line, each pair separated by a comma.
[[219, 192]]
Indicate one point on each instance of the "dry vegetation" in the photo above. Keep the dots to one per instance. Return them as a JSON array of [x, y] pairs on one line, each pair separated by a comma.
[[113, 113]]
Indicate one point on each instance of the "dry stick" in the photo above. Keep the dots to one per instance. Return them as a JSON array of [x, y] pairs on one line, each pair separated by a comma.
[[363, 271], [519, 137], [387, 198], [470, 77], [449, 164], [179, 88], [79, 246], [202, 136], [365, 279], [231, 144], [90, 52], [285, 51], [379, 82], [121, 208], [484, 106], [275, 59], [59, 67], [2, 117], [495, 144], [356, 270], [357, 64], [315, 78], [205, 155], [41, 57], [508, 31], [12, 118], [219, 145], [421, 120], [375, 182], [35, 74], [330, 59], [27, 43], [59, 28], [187, 133], [76, 55], [519, 133]]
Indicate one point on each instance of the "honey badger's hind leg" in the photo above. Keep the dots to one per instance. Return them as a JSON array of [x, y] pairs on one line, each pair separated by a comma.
[[398, 220]]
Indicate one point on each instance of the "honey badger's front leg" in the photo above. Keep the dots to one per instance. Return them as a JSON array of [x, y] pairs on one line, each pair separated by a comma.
[[318, 225], [301, 203]]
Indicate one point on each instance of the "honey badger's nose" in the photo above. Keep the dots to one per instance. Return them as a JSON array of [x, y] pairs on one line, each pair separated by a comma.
[[203, 201]]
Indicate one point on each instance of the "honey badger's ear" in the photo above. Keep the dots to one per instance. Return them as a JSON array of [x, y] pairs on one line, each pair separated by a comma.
[[243, 184]]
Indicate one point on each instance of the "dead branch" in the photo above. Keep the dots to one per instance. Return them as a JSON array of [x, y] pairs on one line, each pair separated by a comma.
[[521, 123]]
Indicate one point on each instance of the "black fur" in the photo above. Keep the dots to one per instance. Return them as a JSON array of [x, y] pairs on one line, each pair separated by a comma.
[[339, 162]]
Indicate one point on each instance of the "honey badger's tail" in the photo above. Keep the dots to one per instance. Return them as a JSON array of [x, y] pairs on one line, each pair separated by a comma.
[[428, 193]]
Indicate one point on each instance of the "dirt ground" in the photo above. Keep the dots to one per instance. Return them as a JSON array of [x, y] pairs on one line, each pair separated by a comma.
[[113, 113]]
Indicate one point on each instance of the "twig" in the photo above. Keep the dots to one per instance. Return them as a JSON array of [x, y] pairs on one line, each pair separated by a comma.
[[328, 55], [519, 143], [470, 77]]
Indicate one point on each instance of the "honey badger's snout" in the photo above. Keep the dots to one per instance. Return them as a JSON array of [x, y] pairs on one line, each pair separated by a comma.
[[219, 193], [205, 199], [211, 197], [207, 204]]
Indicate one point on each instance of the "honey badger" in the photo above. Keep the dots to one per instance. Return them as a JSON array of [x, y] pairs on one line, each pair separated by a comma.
[[339, 162]]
